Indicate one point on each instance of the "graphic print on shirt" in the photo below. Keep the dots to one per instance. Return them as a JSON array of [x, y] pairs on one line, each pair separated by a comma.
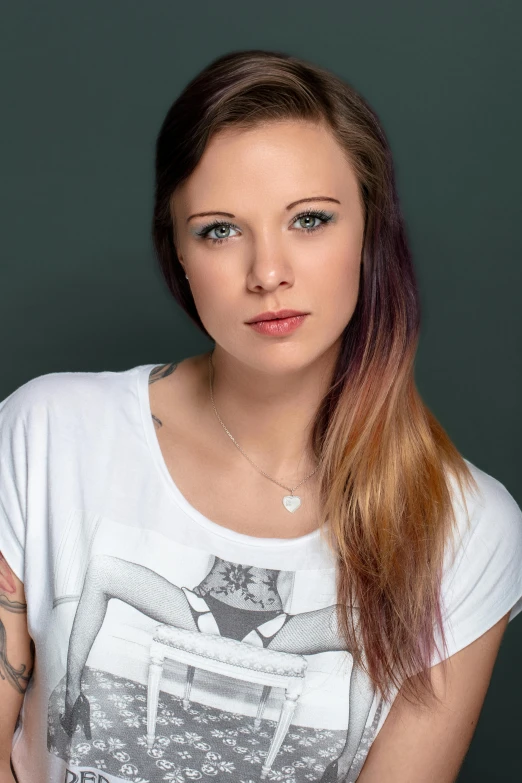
[[231, 634]]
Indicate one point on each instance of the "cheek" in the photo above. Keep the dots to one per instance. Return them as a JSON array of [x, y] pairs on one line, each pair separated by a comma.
[[213, 296], [338, 281]]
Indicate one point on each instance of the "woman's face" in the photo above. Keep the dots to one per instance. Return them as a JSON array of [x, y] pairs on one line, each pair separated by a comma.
[[267, 255]]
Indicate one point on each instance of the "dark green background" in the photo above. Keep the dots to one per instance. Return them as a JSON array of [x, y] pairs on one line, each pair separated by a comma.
[[85, 89]]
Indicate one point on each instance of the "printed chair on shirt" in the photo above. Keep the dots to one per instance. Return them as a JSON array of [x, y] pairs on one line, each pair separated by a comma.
[[247, 660], [210, 648]]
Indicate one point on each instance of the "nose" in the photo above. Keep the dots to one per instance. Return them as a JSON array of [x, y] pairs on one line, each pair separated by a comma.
[[269, 265]]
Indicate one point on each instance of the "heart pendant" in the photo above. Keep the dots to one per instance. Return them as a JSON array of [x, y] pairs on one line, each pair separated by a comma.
[[291, 502]]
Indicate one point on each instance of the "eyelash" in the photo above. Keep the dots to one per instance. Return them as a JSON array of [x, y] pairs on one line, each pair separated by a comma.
[[325, 218]]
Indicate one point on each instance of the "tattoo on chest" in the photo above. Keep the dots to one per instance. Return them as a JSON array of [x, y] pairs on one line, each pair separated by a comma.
[[156, 374], [162, 371]]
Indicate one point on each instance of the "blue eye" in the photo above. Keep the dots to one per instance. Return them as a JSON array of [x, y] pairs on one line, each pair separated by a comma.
[[205, 231], [319, 214]]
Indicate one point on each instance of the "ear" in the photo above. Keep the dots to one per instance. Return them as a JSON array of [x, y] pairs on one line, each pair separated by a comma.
[[180, 257], [176, 245], [181, 261]]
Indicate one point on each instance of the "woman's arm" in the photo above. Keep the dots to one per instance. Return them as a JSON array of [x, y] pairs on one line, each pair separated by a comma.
[[16, 660], [417, 745]]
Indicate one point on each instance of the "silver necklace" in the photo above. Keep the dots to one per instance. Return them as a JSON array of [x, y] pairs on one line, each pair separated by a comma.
[[291, 502]]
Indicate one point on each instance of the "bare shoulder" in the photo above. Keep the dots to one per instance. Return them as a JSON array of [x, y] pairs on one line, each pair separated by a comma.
[[162, 371], [428, 745], [174, 389]]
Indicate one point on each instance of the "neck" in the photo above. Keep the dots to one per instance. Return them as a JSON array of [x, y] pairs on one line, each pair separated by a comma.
[[269, 414]]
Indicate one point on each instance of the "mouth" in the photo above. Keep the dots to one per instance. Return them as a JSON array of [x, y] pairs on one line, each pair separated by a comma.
[[280, 315], [278, 327]]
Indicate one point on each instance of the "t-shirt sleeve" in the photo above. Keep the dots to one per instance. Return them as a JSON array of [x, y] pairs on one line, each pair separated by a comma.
[[483, 580], [13, 479]]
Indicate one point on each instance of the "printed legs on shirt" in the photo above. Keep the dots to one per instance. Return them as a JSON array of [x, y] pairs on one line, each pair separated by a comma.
[[112, 577]]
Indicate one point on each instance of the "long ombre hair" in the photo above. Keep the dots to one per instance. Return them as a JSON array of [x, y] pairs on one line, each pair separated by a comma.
[[386, 464]]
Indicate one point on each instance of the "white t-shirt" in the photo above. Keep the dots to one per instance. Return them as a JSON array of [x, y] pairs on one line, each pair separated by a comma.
[[89, 513]]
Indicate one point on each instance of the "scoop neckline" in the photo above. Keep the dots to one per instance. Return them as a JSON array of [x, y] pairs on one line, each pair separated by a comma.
[[215, 528]]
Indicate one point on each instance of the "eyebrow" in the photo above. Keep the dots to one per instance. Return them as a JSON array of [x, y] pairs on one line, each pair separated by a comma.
[[290, 206]]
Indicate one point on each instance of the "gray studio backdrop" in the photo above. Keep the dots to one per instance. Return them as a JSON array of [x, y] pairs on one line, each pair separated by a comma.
[[85, 88]]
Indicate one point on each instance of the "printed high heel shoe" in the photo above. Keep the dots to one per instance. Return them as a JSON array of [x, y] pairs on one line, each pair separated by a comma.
[[330, 773], [80, 713]]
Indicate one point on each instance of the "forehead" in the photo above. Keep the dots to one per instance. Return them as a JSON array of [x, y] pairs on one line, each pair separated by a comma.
[[278, 161]]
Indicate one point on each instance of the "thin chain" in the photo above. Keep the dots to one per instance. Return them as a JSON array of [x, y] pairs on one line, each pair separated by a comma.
[[210, 368]]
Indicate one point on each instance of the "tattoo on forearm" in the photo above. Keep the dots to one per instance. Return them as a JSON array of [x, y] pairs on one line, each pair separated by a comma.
[[162, 371], [157, 421], [12, 606], [18, 678], [7, 583]]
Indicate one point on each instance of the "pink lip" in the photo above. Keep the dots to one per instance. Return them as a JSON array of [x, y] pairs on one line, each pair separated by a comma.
[[280, 326], [270, 315]]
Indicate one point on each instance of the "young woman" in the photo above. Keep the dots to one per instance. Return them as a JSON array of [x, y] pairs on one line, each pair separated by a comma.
[[285, 499]]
